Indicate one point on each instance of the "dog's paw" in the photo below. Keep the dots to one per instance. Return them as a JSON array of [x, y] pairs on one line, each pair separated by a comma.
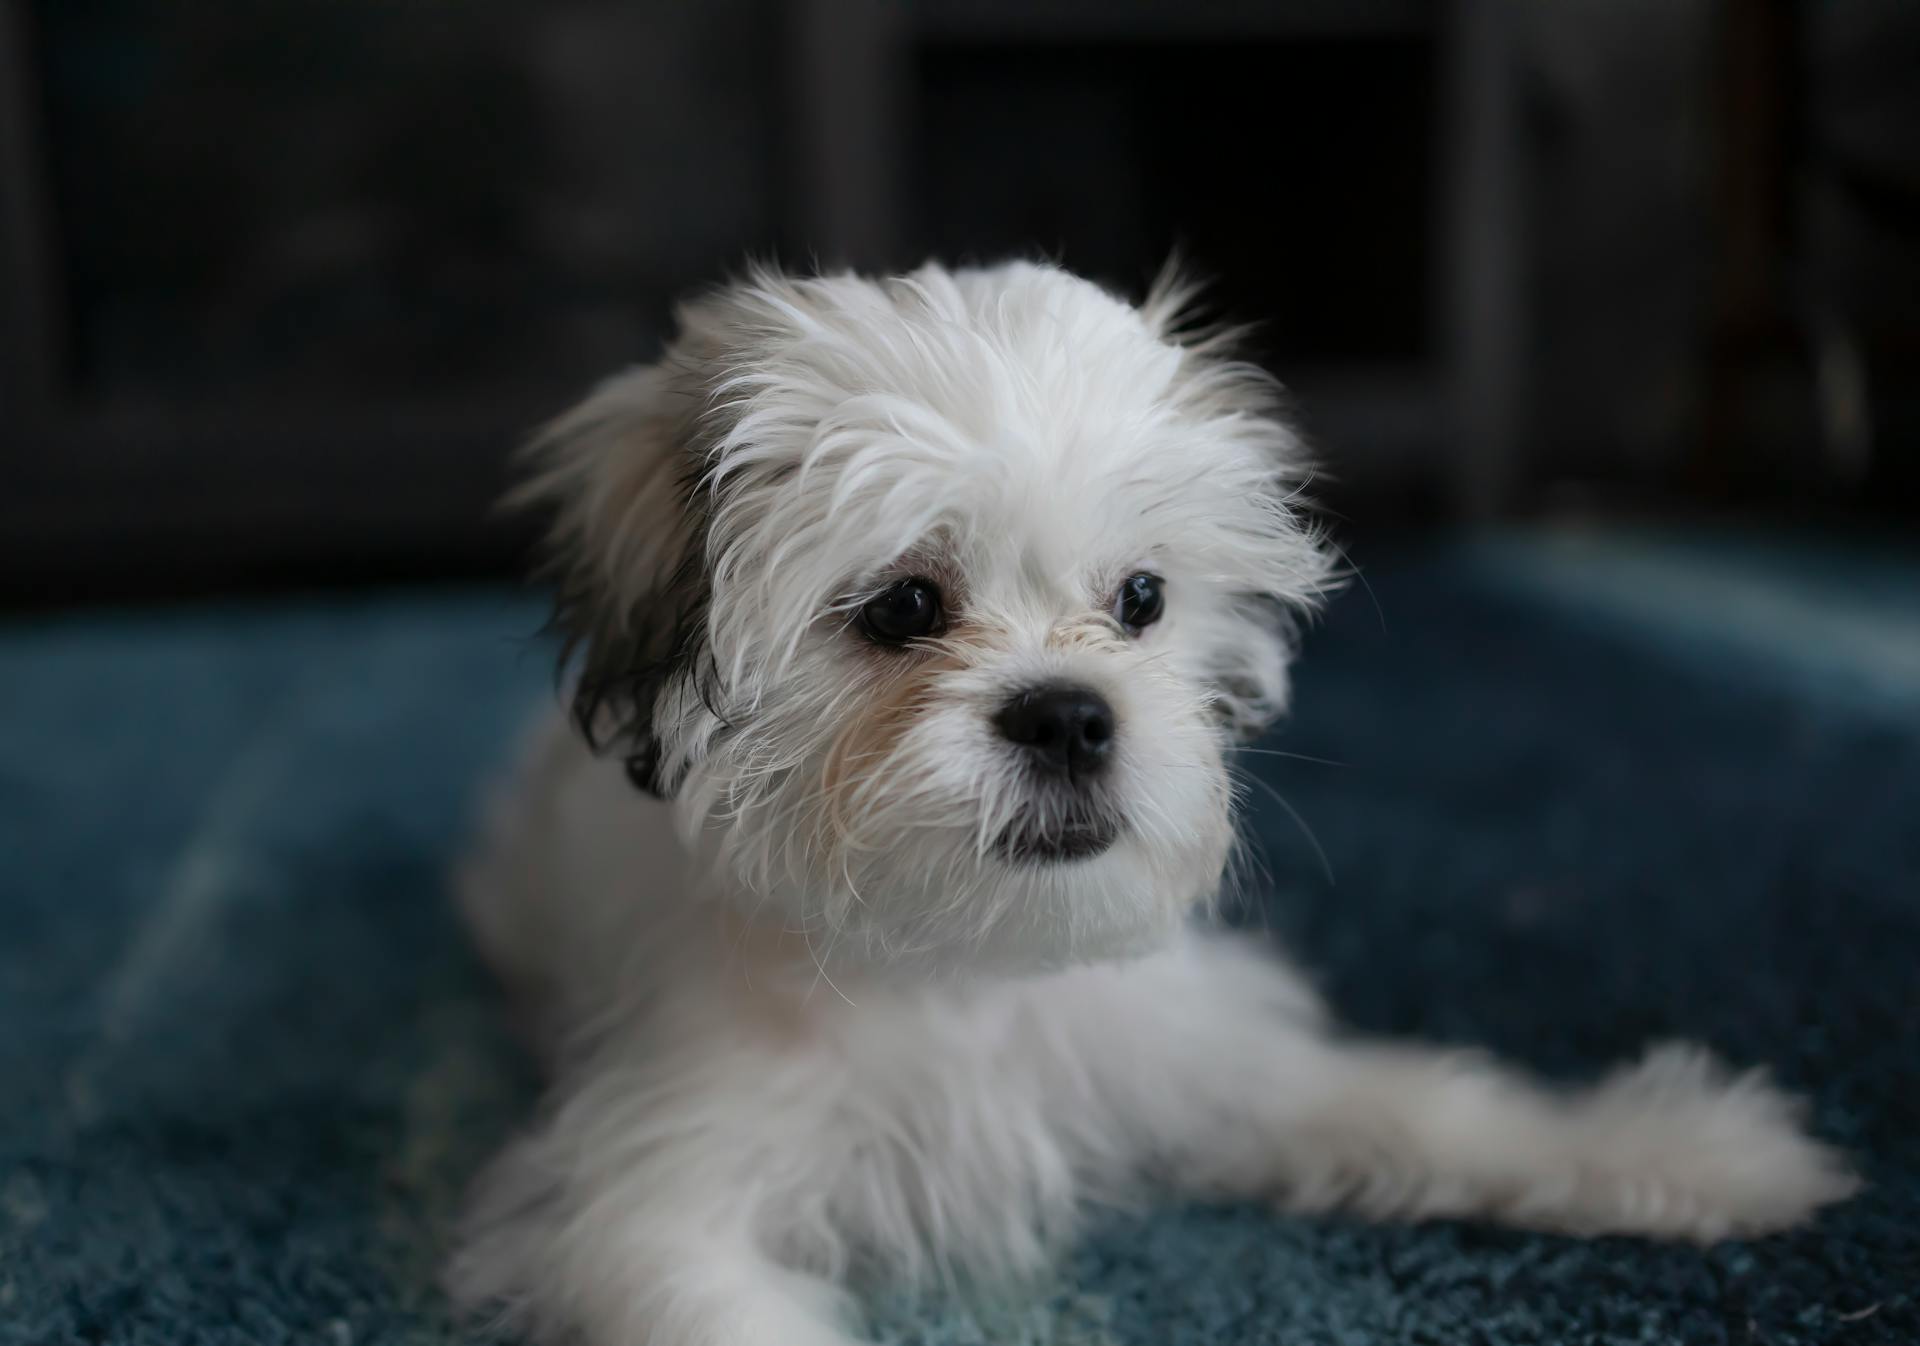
[[1679, 1147]]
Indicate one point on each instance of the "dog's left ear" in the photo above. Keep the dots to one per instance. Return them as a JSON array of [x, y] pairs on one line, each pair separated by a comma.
[[1264, 541], [619, 478]]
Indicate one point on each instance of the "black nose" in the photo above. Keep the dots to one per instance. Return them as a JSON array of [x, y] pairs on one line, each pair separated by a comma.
[[1066, 729]]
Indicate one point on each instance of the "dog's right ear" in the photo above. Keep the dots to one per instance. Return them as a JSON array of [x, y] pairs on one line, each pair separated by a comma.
[[619, 479]]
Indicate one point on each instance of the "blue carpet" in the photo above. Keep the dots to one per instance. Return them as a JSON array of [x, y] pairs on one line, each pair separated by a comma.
[[1592, 792]]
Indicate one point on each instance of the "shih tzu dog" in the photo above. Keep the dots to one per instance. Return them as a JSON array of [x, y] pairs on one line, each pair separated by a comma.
[[857, 915]]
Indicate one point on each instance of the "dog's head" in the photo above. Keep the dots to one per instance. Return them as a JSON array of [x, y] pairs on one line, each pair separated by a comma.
[[935, 603]]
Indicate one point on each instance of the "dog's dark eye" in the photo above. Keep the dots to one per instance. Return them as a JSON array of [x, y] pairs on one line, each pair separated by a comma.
[[902, 612], [1139, 602]]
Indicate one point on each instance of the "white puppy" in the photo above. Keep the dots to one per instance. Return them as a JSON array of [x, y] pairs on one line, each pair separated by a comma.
[[920, 617]]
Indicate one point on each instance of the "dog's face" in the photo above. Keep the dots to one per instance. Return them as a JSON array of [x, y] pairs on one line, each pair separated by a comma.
[[935, 604]]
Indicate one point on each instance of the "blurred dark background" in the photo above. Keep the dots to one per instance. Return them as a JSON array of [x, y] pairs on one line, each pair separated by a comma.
[[282, 283]]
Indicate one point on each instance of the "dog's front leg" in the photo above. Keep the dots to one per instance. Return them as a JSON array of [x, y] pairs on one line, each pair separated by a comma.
[[1672, 1147], [1229, 1085], [618, 1249]]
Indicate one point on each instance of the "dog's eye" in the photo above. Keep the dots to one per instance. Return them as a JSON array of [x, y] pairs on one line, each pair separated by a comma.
[[1139, 603], [902, 612]]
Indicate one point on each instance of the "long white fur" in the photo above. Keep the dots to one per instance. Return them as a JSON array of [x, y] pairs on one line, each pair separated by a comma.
[[804, 1022]]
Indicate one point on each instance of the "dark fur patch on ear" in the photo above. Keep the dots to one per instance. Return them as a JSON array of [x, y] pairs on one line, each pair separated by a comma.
[[627, 662], [624, 477], [629, 652]]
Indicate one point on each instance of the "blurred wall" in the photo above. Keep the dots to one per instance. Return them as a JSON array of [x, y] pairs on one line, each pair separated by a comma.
[[287, 281]]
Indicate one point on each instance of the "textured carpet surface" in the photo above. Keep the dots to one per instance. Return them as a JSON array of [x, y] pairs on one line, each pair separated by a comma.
[[1591, 792]]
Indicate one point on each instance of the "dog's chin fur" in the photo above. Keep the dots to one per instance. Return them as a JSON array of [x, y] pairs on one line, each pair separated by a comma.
[[832, 975]]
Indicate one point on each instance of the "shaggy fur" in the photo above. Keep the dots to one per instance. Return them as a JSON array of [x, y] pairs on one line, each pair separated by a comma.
[[804, 1017]]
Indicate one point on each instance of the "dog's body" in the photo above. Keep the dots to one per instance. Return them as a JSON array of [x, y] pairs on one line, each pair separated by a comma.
[[935, 607]]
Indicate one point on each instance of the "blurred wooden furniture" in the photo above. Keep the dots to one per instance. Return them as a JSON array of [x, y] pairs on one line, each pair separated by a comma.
[[115, 491]]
